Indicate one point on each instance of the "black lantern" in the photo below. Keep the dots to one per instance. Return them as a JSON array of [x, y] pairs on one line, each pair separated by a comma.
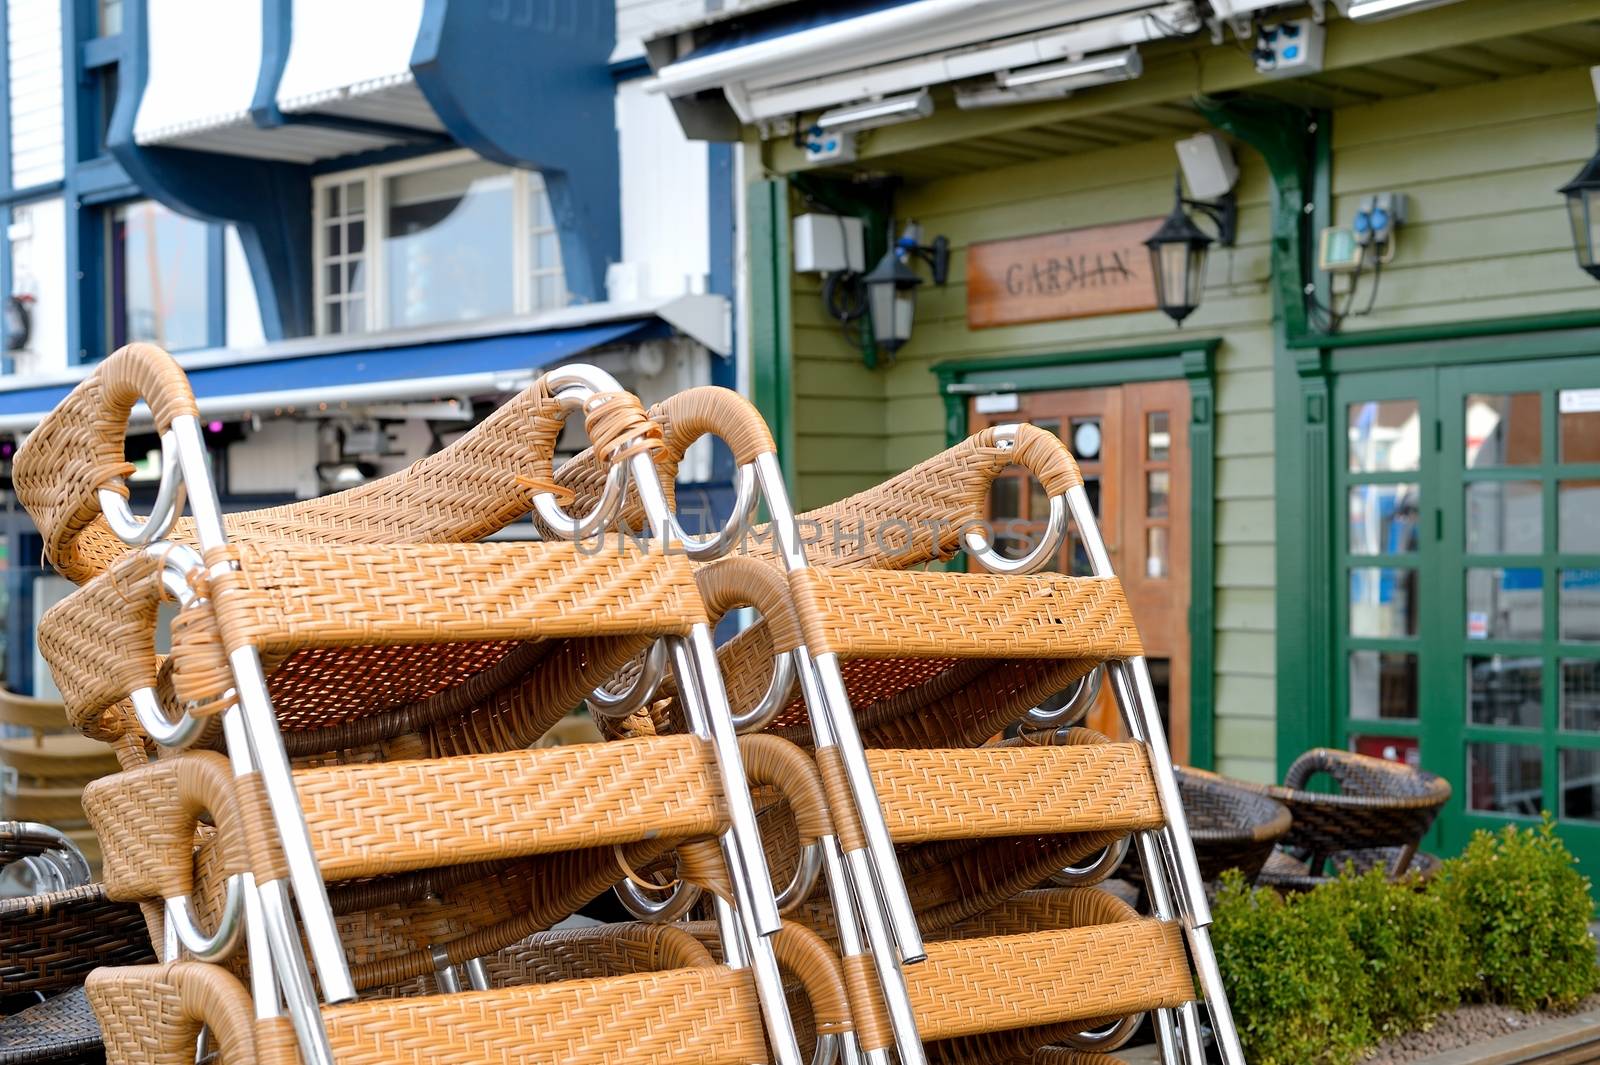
[[1178, 252], [892, 286], [1583, 208]]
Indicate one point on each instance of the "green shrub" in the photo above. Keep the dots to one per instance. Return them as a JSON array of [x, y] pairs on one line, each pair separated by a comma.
[[1298, 988], [1525, 910], [1412, 948]]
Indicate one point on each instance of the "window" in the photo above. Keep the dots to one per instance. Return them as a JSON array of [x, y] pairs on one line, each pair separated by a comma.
[[442, 239], [110, 17], [159, 277]]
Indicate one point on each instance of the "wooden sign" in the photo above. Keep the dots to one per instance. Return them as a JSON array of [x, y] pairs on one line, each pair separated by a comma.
[[1075, 273]]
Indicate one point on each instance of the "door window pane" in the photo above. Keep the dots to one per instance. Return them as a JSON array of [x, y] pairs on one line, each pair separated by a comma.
[[1389, 748], [1578, 504], [1383, 519], [1502, 429], [1504, 518], [1383, 601], [1383, 686], [1384, 435], [1158, 493], [1580, 694], [1505, 604], [1505, 778], [1580, 425], [1156, 564], [1086, 439], [1505, 691], [1580, 604], [1158, 437], [448, 244], [1580, 785], [1005, 498], [158, 277]]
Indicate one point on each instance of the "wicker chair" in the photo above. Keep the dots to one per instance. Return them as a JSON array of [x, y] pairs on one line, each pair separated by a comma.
[[692, 1012], [48, 943], [901, 681], [357, 633], [1378, 817]]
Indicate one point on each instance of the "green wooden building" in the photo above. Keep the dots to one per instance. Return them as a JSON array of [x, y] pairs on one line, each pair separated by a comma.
[[1355, 508]]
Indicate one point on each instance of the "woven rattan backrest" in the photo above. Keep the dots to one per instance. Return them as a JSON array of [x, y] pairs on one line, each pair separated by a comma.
[[287, 597], [77, 450], [707, 1015], [474, 487], [683, 418], [908, 520], [874, 613]]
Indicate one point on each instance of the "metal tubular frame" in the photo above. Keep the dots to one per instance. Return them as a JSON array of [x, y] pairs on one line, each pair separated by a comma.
[[754, 917], [872, 876], [1170, 848], [271, 924], [63, 865]]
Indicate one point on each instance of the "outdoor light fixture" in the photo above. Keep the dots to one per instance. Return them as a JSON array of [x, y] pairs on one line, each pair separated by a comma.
[[1371, 10], [892, 286], [875, 113], [1583, 209], [1178, 251], [1076, 74]]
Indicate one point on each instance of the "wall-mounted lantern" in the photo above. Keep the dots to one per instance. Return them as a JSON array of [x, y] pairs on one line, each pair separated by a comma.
[[892, 286], [1583, 210], [1178, 251]]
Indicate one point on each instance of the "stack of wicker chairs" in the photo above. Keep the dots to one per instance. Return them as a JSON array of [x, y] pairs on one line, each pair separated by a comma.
[[345, 851]]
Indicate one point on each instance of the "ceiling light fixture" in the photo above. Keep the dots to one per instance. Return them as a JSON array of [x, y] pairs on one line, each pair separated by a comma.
[[874, 113], [1103, 69], [1372, 10]]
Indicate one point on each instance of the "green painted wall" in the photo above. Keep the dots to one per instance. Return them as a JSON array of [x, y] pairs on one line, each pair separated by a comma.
[[1487, 235], [857, 426]]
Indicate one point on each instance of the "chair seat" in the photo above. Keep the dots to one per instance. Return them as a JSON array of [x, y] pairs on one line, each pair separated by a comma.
[[60, 757], [1285, 872], [56, 1031]]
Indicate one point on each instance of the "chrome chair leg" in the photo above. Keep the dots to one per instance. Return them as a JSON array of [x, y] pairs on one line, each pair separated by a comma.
[[1135, 696]]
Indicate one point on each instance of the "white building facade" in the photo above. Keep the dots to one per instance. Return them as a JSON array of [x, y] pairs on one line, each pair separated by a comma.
[[360, 227]]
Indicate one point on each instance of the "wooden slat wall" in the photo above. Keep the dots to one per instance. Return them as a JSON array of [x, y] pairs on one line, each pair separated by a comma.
[[858, 426], [1487, 234]]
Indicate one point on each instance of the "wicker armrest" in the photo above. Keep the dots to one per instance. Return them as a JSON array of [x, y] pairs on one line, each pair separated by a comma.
[[77, 450]]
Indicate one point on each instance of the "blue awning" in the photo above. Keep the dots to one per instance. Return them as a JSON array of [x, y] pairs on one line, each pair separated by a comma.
[[440, 366]]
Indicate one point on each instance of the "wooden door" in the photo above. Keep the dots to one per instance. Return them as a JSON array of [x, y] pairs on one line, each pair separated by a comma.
[[1132, 444]]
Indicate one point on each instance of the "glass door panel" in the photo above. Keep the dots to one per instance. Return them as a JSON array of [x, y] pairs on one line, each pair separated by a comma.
[[1519, 565], [1383, 543]]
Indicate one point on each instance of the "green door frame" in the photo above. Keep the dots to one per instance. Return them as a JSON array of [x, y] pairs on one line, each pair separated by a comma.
[[1308, 707], [1192, 360]]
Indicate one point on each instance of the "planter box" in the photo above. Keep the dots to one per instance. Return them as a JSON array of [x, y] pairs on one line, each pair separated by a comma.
[[1567, 1041]]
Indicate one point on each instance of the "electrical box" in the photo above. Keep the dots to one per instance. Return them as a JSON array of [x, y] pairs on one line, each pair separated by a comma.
[[1209, 168], [827, 243], [1290, 49], [1337, 251], [836, 146]]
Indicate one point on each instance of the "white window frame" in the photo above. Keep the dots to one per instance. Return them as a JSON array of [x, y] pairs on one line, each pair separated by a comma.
[[374, 179]]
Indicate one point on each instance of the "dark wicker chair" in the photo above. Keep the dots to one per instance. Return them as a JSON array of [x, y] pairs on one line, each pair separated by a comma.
[[48, 944], [1378, 817], [1235, 826]]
